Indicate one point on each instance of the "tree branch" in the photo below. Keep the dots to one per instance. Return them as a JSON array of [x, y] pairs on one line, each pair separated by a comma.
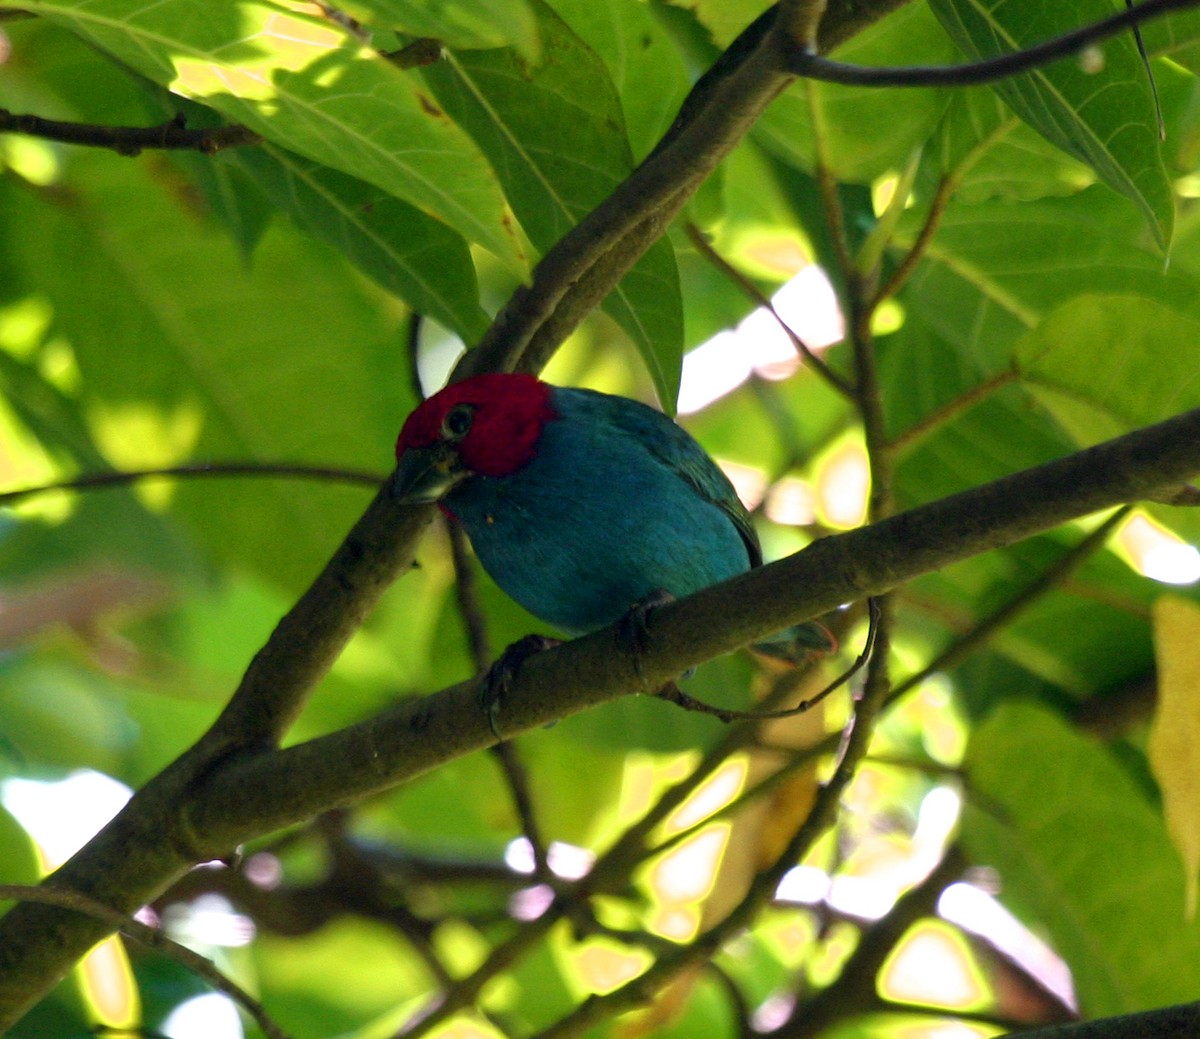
[[803, 62], [234, 783], [260, 792], [130, 140], [151, 938], [125, 477]]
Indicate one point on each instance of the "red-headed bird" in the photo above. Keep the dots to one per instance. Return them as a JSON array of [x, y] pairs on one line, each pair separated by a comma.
[[581, 505]]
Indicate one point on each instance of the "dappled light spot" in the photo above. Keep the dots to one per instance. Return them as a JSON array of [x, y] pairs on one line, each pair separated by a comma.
[[1158, 553]]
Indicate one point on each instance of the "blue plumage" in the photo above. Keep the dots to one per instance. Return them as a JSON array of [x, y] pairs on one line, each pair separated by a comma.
[[581, 505], [617, 503]]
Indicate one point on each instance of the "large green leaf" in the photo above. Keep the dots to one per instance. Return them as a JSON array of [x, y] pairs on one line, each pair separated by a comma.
[[644, 64], [1083, 853], [555, 134], [306, 84], [861, 133], [992, 154], [995, 269], [481, 24], [1106, 364], [1105, 117], [421, 260], [1177, 35], [180, 346]]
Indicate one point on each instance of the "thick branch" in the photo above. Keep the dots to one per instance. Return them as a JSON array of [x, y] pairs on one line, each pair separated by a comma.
[[262, 792]]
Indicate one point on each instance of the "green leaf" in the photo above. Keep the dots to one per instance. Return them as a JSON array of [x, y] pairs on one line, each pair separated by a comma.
[[724, 19], [466, 24], [292, 360], [1176, 35], [644, 64], [309, 86], [861, 133], [992, 154], [555, 134], [995, 269], [1174, 743], [1084, 854], [419, 259], [1106, 364], [1106, 118]]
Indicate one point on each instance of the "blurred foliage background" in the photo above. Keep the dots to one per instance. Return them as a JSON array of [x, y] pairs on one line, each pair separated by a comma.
[[1002, 859]]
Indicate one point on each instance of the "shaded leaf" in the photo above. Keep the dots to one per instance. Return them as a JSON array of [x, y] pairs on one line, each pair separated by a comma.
[[418, 258], [861, 133], [646, 69], [556, 137], [1080, 848], [1105, 117]]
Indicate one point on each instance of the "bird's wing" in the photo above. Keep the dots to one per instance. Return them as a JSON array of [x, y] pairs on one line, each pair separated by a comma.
[[676, 448]]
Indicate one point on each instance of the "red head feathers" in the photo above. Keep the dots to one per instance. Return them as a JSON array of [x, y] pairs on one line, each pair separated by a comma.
[[494, 419]]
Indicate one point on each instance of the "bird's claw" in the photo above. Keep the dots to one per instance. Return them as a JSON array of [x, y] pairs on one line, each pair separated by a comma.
[[633, 633], [499, 678]]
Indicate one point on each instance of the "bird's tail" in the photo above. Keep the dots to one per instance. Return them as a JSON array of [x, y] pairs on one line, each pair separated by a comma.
[[799, 643]]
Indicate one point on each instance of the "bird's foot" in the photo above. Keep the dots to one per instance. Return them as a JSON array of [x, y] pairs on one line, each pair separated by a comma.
[[499, 679], [634, 633]]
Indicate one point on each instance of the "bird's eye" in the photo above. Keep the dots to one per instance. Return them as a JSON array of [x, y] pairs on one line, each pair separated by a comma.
[[457, 422]]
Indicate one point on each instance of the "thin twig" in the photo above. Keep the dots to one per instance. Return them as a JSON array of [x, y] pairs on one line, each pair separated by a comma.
[[475, 623], [642, 989], [802, 63], [952, 409], [466, 589], [1141, 49], [673, 694], [150, 937], [130, 140], [93, 481], [756, 295], [905, 268], [1052, 576]]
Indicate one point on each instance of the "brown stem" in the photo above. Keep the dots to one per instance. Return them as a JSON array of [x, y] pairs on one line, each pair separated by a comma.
[[752, 291], [94, 481], [130, 140], [150, 937]]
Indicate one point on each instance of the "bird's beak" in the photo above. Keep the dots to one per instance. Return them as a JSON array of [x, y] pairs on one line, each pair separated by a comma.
[[425, 474]]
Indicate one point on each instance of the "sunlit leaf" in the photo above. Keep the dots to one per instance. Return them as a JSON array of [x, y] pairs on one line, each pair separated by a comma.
[[163, 318], [1174, 745], [309, 86], [1106, 364]]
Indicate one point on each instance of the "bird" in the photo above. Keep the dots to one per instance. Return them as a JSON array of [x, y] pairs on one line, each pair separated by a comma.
[[582, 506]]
